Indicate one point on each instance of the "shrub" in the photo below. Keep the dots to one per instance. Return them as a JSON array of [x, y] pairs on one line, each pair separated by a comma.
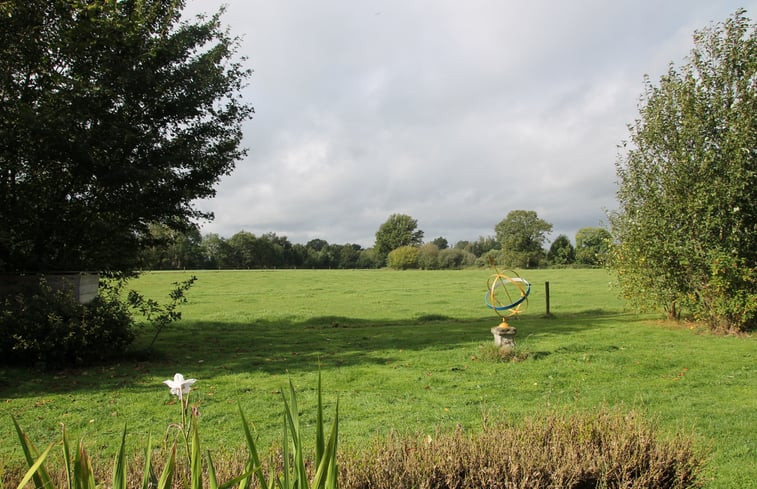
[[369, 259], [403, 258], [455, 259], [51, 329], [728, 301], [605, 449], [428, 257], [489, 258]]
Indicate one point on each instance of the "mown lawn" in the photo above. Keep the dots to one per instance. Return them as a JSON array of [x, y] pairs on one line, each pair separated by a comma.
[[403, 351]]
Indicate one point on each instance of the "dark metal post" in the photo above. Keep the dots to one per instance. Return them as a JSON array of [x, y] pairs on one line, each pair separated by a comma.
[[546, 288]]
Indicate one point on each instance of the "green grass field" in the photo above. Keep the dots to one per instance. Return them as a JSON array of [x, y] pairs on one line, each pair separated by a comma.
[[403, 351]]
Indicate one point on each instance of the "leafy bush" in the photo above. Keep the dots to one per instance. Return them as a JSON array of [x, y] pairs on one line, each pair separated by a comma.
[[403, 258], [160, 315], [728, 301], [51, 329], [428, 257], [453, 259]]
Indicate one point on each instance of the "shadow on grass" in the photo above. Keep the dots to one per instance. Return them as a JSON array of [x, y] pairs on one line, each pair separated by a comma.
[[278, 347]]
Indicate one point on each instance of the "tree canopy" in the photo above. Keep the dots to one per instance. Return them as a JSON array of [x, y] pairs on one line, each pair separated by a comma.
[[686, 228], [561, 251], [398, 230], [114, 115], [521, 235], [592, 245]]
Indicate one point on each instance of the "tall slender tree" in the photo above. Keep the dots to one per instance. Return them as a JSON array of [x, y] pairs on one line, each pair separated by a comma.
[[686, 228]]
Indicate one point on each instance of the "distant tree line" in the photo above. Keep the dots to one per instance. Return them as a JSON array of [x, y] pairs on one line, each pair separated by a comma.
[[244, 250], [518, 243]]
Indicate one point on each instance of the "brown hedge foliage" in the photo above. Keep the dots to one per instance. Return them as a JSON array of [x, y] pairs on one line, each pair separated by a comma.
[[604, 449]]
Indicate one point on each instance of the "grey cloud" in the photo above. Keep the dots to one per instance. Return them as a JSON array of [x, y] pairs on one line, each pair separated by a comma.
[[452, 112]]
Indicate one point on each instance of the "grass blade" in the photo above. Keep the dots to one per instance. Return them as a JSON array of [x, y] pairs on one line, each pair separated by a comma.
[[332, 477], [292, 416], [286, 449], [212, 480], [84, 476], [167, 475], [67, 460], [195, 459], [326, 472], [119, 465], [319, 440], [148, 478], [40, 475], [35, 467], [253, 464]]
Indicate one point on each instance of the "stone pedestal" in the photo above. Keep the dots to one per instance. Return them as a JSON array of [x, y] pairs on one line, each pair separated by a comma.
[[504, 336]]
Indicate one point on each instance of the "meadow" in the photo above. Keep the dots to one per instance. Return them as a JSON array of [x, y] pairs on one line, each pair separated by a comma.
[[406, 352]]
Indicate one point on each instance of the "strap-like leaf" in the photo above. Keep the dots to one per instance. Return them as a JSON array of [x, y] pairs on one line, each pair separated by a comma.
[[41, 477], [319, 438], [119, 465], [148, 478], [195, 459], [30, 474], [84, 476], [67, 460], [326, 472], [254, 463], [167, 475], [212, 480]]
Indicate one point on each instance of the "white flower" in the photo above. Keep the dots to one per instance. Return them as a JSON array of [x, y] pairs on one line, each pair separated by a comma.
[[179, 385]]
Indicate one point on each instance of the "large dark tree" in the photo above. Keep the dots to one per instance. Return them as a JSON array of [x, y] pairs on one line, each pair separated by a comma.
[[561, 251], [114, 115]]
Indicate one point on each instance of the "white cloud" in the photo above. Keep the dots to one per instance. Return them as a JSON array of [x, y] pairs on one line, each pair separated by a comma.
[[452, 112]]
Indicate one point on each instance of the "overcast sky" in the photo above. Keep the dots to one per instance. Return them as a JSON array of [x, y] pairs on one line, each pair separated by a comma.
[[453, 112]]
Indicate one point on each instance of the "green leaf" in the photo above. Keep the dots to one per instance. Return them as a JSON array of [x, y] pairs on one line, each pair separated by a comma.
[[84, 476], [212, 480], [195, 460], [119, 465], [326, 473], [40, 475], [254, 463], [148, 478], [292, 417], [319, 438], [35, 467], [67, 461], [167, 475]]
